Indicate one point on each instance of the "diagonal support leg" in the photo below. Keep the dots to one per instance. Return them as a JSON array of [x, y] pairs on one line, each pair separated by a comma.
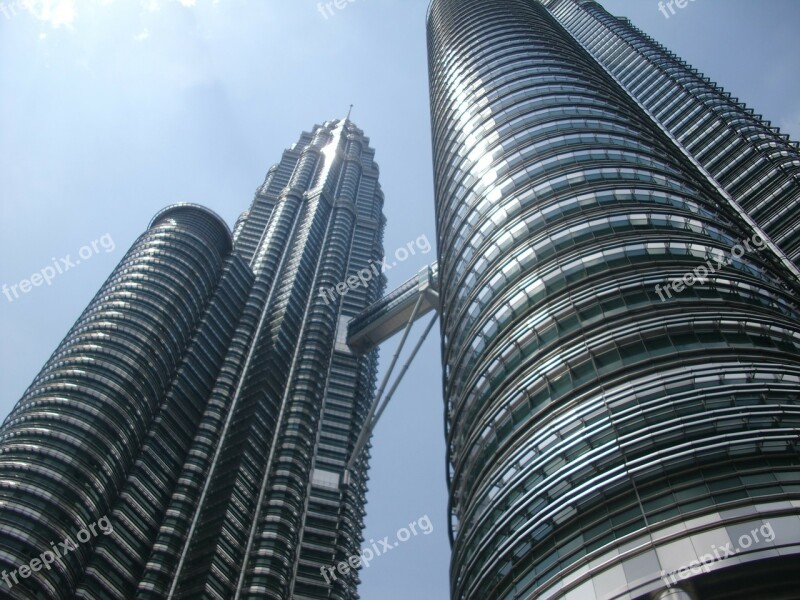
[[380, 403]]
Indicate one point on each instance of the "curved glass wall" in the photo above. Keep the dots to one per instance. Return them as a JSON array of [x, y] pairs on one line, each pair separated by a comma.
[[69, 444], [751, 159], [596, 423]]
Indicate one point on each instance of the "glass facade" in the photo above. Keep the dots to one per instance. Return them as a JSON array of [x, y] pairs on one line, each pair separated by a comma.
[[601, 433], [203, 404], [747, 156]]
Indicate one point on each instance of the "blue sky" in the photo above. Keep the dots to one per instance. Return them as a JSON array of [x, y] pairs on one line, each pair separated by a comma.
[[112, 109]]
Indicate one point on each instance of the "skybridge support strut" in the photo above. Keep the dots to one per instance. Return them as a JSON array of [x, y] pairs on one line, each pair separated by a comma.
[[422, 291]]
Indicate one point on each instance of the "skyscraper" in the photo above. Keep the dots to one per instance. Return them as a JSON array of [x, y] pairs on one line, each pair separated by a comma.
[[188, 437], [747, 157], [620, 319]]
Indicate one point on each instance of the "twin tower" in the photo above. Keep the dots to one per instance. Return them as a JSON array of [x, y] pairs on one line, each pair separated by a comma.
[[617, 287]]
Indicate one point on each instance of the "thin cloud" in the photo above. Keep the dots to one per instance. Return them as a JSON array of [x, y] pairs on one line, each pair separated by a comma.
[[63, 13], [56, 12]]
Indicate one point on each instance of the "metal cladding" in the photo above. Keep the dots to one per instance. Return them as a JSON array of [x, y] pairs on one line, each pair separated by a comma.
[[203, 403], [747, 156], [603, 432]]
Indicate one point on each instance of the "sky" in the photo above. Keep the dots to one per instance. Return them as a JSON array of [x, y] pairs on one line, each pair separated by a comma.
[[112, 109]]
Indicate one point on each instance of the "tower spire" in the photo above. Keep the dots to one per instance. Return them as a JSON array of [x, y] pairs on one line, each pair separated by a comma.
[[350, 110]]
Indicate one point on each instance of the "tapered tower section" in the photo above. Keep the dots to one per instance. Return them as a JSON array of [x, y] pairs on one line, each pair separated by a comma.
[[206, 402], [747, 157]]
